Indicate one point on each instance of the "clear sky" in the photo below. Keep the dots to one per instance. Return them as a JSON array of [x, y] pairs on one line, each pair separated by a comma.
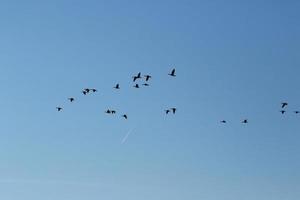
[[234, 60]]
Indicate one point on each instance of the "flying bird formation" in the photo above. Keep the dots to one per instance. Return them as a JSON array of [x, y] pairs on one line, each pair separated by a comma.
[[136, 85], [283, 105], [171, 110]]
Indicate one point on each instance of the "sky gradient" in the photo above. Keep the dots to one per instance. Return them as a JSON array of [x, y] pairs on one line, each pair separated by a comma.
[[234, 60]]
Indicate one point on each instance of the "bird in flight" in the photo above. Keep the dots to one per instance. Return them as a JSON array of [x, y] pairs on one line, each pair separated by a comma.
[[167, 111], [137, 77], [145, 84], [174, 110], [113, 112], [284, 104], [147, 77], [94, 90], [282, 111], [84, 92], [245, 121], [87, 90], [136, 86], [71, 99], [297, 112], [223, 121], [117, 86], [172, 73], [108, 111], [58, 109], [125, 116]]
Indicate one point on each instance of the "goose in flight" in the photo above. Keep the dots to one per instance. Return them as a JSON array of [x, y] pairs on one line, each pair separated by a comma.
[[71, 99], [145, 84], [117, 86], [223, 121], [297, 112], [284, 104], [245, 121], [136, 86], [125, 116], [147, 77], [137, 77], [174, 110], [58, 109], [108, 111], [282, 111], [87, 90], [167, 111], [172, 73], [84, 92], [113, 112], [94, 90]]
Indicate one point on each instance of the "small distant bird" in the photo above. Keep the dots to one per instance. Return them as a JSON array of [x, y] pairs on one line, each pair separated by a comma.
[[136, 86], [167, 111], [282, 111], [147, 77], [125, 116], [94, 90], [113, 112], [174, 110], [84, 92], [173, 73], [108, 111], [87, 90], [117, 86], [245, 121], [71, 99], [137, 77], [297, 112], [58, 109], [284, 104], [145, 84], [223, 121]]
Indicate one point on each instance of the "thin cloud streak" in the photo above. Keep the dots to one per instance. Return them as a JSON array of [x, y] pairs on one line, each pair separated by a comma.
[[126, 136]]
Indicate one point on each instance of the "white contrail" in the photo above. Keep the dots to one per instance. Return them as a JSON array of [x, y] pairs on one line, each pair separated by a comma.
[[126, 136]]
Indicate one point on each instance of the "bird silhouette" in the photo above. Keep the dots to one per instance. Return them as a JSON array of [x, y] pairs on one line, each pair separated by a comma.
[[284, 104], [145, 84], [137, 77], [113, 112], [174, 110], [87, 90], [117, 86], [108, 111], [125, 116], [147, 77], [223, 121], [297, 112], [59, 108], [71, 99], [84, 92], [245, 121], [167, 111], [136, 86], [94, 90], [282, 111], [172, 73]]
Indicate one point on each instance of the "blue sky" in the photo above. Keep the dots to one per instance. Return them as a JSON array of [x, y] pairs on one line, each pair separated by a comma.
[[234, 60]]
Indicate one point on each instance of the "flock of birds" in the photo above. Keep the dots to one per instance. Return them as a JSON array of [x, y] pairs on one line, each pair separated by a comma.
[[282, 111], [147, 78], [172, 110]]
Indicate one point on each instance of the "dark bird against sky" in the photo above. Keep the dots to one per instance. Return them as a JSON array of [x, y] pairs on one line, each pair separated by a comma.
[[172, 73]]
